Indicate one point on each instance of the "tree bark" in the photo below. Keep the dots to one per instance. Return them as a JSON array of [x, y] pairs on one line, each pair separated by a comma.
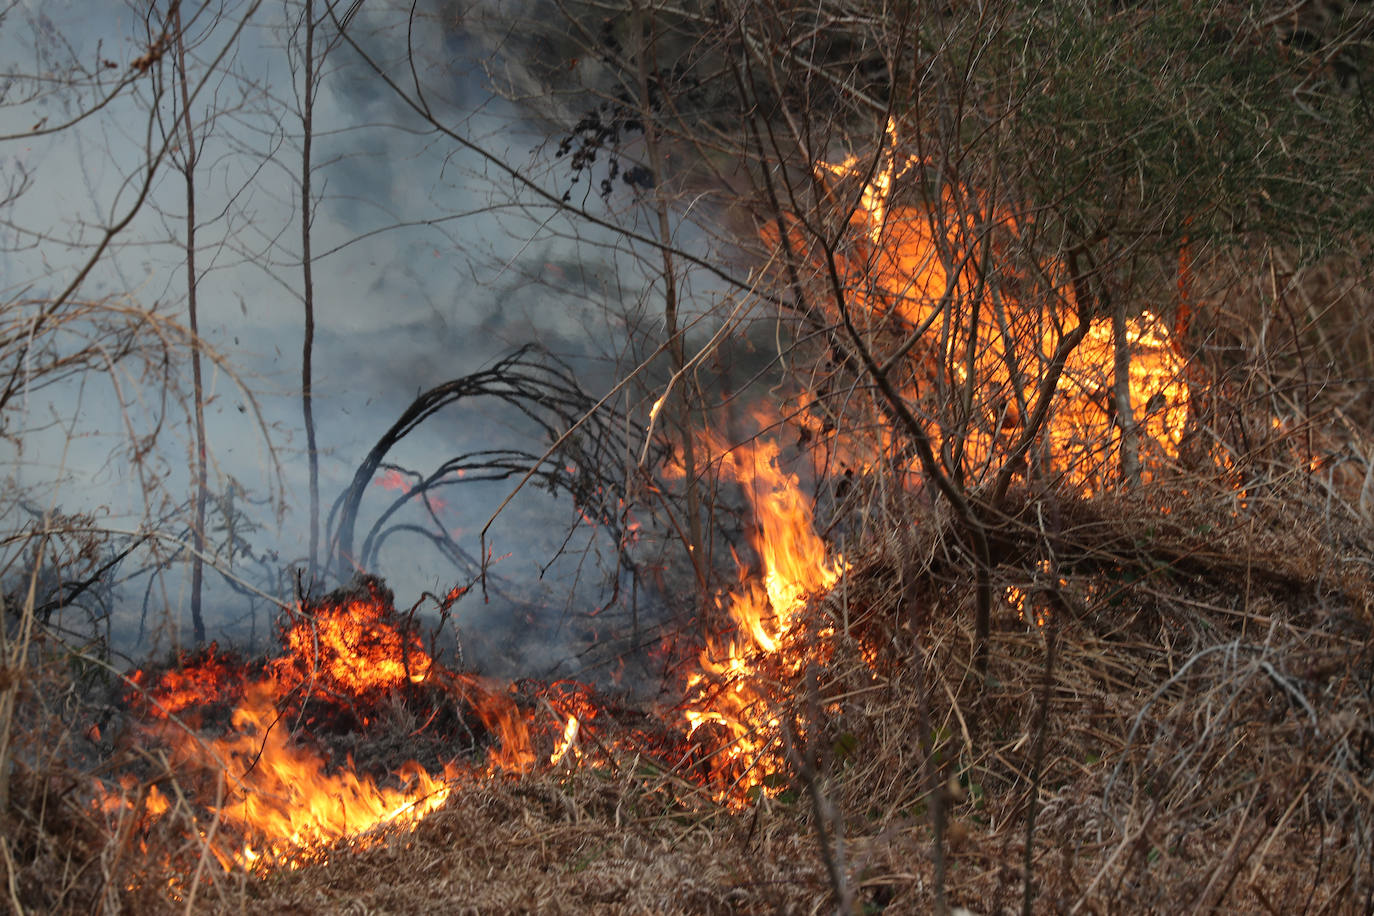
[[193, 319], [308, 287]]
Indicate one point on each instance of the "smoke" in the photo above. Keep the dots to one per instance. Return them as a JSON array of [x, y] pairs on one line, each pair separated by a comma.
[[428, 267]]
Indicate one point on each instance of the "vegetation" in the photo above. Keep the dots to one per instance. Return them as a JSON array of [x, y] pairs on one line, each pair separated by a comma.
[[1059, 308]]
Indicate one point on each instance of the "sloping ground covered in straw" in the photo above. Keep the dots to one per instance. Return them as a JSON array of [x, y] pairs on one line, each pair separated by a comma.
[[1208, 741], [1190, 727]]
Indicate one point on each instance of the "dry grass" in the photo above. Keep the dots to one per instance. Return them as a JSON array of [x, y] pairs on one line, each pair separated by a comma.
[[586, 843], [1191, 729], [1208, 743], [1209, 735]]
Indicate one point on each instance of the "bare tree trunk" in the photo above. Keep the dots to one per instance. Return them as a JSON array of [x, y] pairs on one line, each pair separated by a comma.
[[193, 319], [1125, 416], [1184, 313], [308, 285], [677, 351]]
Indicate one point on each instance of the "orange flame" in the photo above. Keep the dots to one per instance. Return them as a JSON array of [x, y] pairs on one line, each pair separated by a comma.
[[280, 792], [514, 751], [207, 677], [352, 648], [795, 560], [281, 796], [566, 743], [911, 264], [796, 567]]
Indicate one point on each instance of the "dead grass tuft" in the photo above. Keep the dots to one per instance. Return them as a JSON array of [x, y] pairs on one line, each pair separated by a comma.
[[586, 843]]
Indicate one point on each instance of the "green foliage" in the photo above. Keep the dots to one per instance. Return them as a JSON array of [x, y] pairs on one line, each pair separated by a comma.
[[1162, 121], [844, 747]]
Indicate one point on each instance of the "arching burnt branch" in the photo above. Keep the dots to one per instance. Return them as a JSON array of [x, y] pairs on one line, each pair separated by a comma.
[[587, 466], [473, 467]]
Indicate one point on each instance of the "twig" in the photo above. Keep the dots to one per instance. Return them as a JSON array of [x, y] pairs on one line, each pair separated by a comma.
[[1038, 760], [829, 830]]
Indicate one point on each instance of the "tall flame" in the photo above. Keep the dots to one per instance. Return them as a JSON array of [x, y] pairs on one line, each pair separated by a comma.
[[794, 558], [796, 567], [907, 266]]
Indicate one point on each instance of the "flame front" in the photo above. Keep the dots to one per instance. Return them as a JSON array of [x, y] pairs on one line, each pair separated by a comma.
[[916, 268], [913, 271], [281, 796], [907, 270], [280, 792], [730, 691]]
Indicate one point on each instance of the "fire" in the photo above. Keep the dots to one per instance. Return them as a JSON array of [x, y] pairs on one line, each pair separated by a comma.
[[204, 678], [730, 692], [277, 794], [907, 268], [794, 558], [280, 795], [501, 716], [905, 271], [566, 743], [352, 648], [913, 267]]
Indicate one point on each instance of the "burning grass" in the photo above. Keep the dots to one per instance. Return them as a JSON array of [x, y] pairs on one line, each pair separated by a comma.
[[587, 841], [1175, 711], [1189, 728], [1175, 696]]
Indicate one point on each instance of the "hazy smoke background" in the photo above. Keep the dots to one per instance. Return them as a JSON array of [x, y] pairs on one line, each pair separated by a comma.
[[429, 265]]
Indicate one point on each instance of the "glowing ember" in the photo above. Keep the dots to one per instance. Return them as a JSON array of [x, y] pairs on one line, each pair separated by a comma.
[[204, 678], [109, 801], [352, 647]]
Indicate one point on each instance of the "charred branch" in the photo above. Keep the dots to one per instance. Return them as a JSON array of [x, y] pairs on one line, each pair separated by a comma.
[[540, 388]]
